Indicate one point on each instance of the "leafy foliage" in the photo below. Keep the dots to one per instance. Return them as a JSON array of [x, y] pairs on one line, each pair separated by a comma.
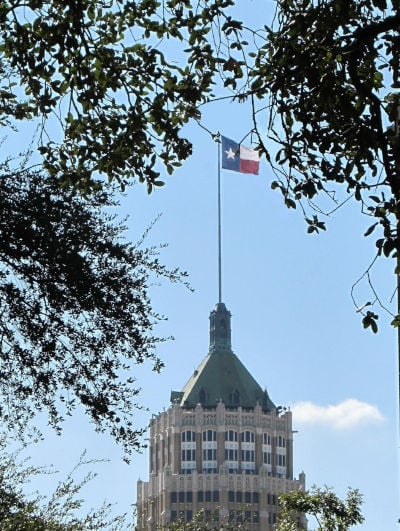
[[58, 512], [75, 309], [330, 72], [330, 512], [94, 72], [201, 522]]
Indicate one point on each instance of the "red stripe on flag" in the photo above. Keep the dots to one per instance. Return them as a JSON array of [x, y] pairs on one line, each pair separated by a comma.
[[249, 166]]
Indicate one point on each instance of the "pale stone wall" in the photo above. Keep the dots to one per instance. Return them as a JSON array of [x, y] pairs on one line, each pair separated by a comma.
[[169, 491]]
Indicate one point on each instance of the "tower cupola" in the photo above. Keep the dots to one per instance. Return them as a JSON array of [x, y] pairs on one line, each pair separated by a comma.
[[220, 329]]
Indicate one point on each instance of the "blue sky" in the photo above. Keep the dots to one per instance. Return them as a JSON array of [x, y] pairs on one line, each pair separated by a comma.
[[293, 325]]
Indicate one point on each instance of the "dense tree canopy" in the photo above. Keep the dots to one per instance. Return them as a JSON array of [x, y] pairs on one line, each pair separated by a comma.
[[75, 309]]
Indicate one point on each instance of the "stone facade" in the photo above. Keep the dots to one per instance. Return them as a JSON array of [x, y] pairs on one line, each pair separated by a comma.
[[229, 461]]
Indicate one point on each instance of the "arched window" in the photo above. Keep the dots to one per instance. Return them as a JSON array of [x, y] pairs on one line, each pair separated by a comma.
[[188, 451], [248, 451], [231, 435], [247, 436], [267, 451], [232, 450], [280, 441], [267, 439], [280, 458], [188, 436], [209, 451], [209, 435]]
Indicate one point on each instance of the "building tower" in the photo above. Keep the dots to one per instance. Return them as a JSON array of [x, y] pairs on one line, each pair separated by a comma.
[[222, 446]]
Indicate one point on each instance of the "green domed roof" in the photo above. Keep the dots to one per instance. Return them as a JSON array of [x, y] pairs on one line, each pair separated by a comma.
[[221, 376]]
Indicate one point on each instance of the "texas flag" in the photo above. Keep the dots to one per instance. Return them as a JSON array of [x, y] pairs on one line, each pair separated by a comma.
[[239, 158]]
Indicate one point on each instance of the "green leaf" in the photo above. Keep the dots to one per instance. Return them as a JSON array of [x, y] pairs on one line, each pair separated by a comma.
[[370, 229]]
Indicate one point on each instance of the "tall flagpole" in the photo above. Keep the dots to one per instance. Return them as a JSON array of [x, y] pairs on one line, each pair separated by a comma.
[[218, 140]]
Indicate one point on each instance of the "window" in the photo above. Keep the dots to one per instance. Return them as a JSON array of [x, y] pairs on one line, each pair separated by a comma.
[[208, 495], [200, 496], [255, 497], [210, 455], [267, 439], [215, 496], [256, 517], [247, 436], [267, 458], [209, 451], [248, 456], [231, 455], [248, 452], [271, 499], [266, 451], [231, 435], [174, 516], [247, 497], [189, 455], [181, 497], [189, 497], [189, 515], [272, 518], [281, 460], [231, 496], [209, 435], [239, 497], [232, 450], [188, 451], [281, 441], [174, 497], [188, 436]]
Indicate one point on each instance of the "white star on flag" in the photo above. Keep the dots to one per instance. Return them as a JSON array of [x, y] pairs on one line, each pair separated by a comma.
[[230, 154]]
